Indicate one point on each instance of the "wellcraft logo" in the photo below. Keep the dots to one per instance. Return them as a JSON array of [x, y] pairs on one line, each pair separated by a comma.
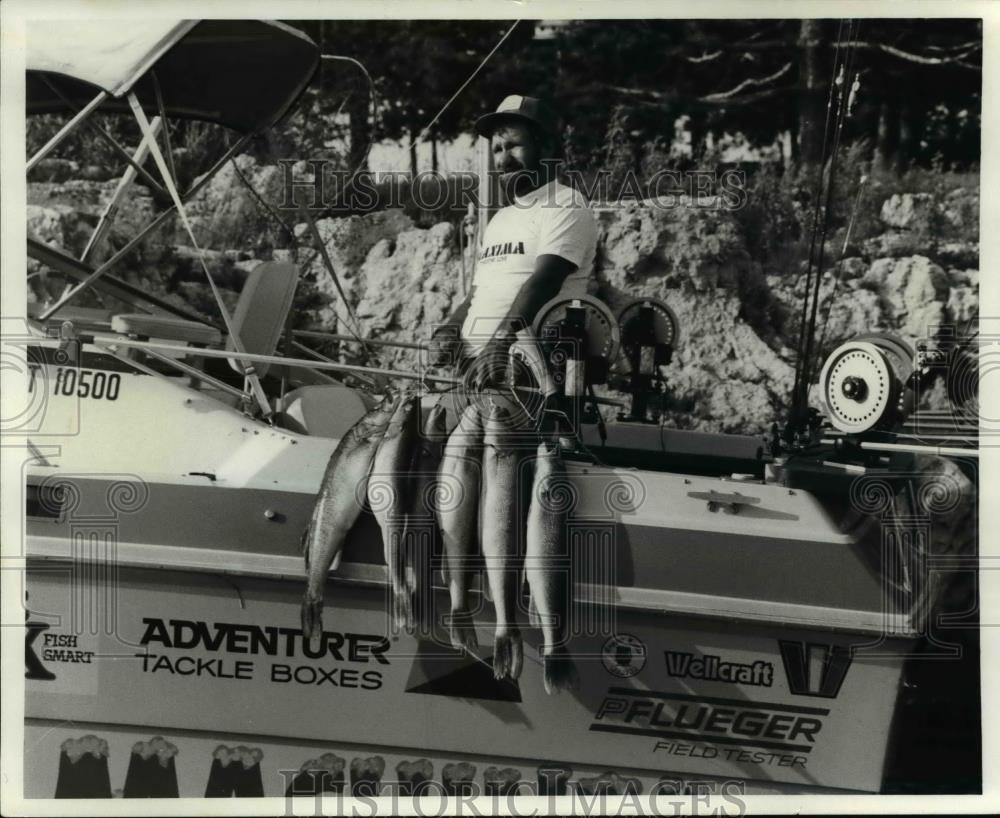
[[713, 669], [815, 669]]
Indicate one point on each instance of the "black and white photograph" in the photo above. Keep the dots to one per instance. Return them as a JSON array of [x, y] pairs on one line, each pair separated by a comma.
[[473, 409]]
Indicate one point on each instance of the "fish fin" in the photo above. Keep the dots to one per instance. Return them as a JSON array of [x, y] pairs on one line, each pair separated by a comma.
[[420, 580], [423, 616], [463, 631], [312, 617], [508, 655], [559, 671], [335, 564], [422, 608], [534, 617], [485, 586], [304, 539], [402, 611]]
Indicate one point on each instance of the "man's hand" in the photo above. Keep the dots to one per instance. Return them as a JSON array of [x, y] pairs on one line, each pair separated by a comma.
[[444, 346], [490, 366]]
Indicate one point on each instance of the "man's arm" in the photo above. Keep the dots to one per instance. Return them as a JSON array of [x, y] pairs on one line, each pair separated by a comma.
[[457, 318], [446, 338], [542, 286]]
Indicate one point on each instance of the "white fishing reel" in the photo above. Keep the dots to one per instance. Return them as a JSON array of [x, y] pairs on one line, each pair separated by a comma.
[[865, 384]]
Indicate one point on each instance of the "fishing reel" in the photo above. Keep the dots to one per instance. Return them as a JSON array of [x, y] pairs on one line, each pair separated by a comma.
[[580, 338], [867, 384], [650, 332]]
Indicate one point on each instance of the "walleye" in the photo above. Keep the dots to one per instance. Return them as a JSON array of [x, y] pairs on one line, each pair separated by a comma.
[[458, 515], [422, 536], [546, 565], [340, 500], [388, 496], [502, 527]]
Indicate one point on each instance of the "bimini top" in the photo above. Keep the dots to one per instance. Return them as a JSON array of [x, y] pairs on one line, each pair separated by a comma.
[[244, 74]]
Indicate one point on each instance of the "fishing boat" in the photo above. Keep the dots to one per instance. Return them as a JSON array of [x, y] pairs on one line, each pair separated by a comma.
[[745, 608]]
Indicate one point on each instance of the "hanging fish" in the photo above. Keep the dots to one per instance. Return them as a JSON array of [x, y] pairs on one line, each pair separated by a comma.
[[423, 537], [340, 501], [458, 514], [389, 499], [546, 566], [502, 530]]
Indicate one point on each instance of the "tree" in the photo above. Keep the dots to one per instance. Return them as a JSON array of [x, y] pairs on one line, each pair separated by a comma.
[[919, 99]]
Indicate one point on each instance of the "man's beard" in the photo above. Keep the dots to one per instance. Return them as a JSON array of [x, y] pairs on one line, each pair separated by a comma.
[[520, 181]]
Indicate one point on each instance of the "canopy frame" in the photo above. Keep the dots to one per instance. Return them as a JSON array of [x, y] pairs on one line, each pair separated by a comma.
[[66, 130], [94, 274]]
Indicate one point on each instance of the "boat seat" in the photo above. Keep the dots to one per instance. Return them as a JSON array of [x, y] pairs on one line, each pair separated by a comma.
[[325, 411], [166, 327], [262, 311], [84, 319]]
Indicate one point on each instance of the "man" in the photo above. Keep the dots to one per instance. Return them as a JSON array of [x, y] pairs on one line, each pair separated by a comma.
[[540, 245]]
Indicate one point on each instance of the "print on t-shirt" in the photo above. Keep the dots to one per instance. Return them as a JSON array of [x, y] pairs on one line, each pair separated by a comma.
[[507, 248]]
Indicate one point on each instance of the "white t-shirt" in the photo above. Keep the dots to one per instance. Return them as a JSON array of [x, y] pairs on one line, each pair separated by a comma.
[[552, 220]]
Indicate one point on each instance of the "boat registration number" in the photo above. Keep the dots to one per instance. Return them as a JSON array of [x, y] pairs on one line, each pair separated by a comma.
[[81, 383]]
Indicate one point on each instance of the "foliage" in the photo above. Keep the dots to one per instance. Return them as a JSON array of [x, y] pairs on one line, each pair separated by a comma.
[[84, 146], [774, 222], [620, 84]]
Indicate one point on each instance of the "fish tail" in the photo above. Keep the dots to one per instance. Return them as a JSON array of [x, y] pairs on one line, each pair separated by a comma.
[[508, 655], [312, 616], [402, 611], [534, 617], [463, 631], [423, 616], [559, 671]]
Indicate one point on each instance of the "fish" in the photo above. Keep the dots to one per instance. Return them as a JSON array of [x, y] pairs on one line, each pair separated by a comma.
[[423, 539], [458, 516], [546, 566], [338, 506], [389, 499], [501, 524]]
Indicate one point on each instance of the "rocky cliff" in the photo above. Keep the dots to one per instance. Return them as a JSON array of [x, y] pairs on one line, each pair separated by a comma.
[[733, 368]]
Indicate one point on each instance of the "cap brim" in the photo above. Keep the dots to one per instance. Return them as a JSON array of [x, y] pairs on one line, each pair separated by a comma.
[[488, 123]]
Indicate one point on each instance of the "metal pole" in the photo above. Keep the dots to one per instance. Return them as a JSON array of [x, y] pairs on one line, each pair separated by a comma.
[[485, 188], [194, 372], [66, 130], [331, 336], [88, 282], [320, 357], [104, 224], [119, 148], [256, 389], [167, 149], [944, 451], [71, 267], [274, 359]]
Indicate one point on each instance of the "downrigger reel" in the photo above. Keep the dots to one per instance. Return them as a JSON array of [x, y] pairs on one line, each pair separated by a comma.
[[867, 384]]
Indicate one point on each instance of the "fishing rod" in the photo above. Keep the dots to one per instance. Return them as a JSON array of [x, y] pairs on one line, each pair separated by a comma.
[[842, 112], [837, 111], [333, 336], [796, 407]]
